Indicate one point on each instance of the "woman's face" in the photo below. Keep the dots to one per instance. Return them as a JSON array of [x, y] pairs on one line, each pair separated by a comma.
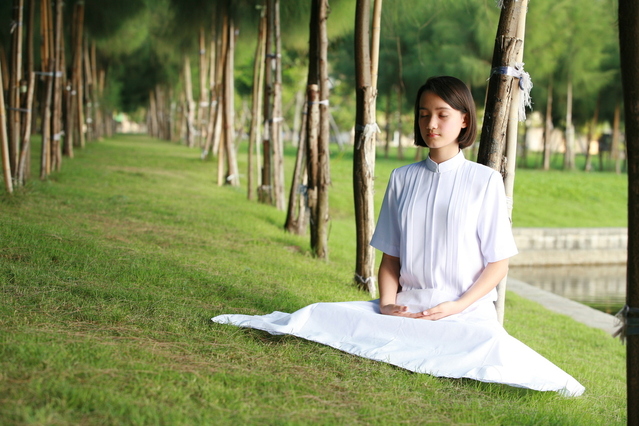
[[440, 125]]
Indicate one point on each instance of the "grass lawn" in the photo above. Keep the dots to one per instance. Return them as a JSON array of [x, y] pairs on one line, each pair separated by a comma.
[[112, 268]]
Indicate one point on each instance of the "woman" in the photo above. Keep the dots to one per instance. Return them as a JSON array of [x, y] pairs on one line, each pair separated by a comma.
[[446, 238]]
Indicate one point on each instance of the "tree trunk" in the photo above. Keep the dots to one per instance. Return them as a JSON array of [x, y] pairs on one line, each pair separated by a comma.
[[500, 87], [77, 76], [548, 128], [591, 134], [507, 51], [400, 96], [45, 163], [323, 154], [233, 175], [569, 154], [96, 92], [615, 151], [266, 194], [204, 101], [364, 151], [213, 101], [277, 146], [313, 119], [58, 71], [16, 75], [190, 104], [256, 117], [628, 36], [297, 213], [25, 150], [389, 115], [4, 146], [511, 150]]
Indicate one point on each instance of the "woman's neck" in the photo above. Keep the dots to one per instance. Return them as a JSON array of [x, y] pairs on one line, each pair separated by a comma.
[[439, 155]]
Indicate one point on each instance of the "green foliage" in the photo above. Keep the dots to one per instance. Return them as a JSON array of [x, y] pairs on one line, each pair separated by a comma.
[[111, 269]]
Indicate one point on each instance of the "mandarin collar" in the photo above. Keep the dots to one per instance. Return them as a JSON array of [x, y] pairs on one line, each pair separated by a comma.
[[447, 165]]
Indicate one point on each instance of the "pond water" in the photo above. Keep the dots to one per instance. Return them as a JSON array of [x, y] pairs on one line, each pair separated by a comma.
[[602, 287]]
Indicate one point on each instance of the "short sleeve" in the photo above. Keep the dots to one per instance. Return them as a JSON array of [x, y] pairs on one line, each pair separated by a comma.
[[387, 234], [494, 227]]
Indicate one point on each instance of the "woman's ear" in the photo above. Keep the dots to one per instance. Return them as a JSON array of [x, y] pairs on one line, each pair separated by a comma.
[[464, 120]]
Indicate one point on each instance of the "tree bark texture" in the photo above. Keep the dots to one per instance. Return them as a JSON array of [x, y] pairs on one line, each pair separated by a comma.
[[277, 144], [629, 50], [569, 154], [297, 212], [14, 84], [77, 76], [204, 98], [58, 73], [266, 194], [25, 149], [500, 87], [4, 146], [548, 128], [511, 148], [323, 154], [256, 116], [233, 174], [364, 152], [190, 103]]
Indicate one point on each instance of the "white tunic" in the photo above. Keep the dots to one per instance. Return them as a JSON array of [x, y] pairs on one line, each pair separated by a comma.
[[444, 222]]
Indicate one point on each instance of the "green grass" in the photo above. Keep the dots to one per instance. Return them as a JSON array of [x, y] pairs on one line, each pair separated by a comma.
[[111, 270]]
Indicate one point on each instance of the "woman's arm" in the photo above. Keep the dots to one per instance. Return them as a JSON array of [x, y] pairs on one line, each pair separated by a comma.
[[388, 281], [492, 274]]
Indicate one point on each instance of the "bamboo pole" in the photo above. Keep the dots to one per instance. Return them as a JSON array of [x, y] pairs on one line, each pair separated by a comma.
[[323, 154], [4, 146], [364, 153], [56, 119], [233, 176], [500, 86], [15, 125], [296, 215], [78, 79], [25, 149], [511, 149], [96, 95], [45, 158], [256, 117], [88, 90], [204, 102], [212, 100], [265, 193], [277, 145]]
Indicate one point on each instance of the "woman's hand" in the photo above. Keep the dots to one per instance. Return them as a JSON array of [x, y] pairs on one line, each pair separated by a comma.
[[400, 311], [442, 310]]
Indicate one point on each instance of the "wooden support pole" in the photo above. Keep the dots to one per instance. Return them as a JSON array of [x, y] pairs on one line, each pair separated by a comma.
[[629, 52]]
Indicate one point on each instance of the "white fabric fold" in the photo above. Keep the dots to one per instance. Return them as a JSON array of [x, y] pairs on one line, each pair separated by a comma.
[[453, 347]]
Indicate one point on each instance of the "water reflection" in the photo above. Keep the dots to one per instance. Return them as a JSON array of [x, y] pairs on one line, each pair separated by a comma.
[[602, 287]]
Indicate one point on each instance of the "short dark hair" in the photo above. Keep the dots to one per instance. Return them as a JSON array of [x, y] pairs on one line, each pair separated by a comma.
[[455, 93]]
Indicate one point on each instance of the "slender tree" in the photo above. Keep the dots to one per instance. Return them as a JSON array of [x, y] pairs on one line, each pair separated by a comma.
[[502, 85], [16, 76], [629, 49], [4, 146], [256, 117], [364, 150]]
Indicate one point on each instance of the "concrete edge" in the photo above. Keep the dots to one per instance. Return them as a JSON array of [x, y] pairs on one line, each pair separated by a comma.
[[579, 312]]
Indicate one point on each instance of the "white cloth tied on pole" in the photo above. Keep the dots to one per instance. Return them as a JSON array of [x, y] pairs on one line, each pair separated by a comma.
[[367, 132], [525, 84]]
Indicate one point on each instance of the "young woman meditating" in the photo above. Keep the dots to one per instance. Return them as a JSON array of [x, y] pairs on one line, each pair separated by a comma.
[[446, 238]]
